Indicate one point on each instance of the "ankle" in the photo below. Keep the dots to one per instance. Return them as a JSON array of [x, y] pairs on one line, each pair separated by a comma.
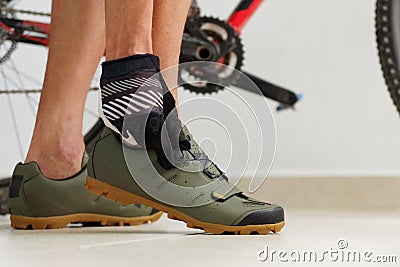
[[57, 162]]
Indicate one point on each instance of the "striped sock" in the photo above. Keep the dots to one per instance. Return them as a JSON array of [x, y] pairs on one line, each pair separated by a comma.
[[131, 92]]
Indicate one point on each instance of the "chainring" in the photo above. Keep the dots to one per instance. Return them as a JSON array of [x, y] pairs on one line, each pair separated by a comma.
[[194, 77], [7, 47], [7, 10]]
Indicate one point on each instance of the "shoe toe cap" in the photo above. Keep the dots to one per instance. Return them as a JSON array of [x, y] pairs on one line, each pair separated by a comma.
[[266, 216]]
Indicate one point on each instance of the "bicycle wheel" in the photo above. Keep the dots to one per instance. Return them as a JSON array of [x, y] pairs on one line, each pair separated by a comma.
[[20, 87], [387, 23]]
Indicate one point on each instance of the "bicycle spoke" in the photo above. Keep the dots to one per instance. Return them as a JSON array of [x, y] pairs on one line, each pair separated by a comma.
[[26, 76], [30, 101], [22, 85], [7, 80], [14, 119]]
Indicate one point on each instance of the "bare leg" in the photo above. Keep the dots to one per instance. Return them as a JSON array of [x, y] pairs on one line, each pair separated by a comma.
[[76, 45], [130, 32], [169, 18], [128, 27], [154, 28]]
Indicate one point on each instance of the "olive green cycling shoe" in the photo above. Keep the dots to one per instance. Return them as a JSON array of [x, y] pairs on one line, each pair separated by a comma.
[[37, 202], [203, 198]]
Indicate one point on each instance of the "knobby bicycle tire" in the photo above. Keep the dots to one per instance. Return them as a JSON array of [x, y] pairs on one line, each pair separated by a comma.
[[387, 25]]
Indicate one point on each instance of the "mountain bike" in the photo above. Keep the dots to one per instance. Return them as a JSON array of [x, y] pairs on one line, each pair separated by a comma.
[[204, 39], [387, 23]]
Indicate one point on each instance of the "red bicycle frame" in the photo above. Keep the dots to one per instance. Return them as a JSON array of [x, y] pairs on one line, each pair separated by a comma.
[[38, 33], [17, 28], [242, 13]]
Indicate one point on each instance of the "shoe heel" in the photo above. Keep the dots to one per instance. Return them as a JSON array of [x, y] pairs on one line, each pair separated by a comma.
[[22, 222]]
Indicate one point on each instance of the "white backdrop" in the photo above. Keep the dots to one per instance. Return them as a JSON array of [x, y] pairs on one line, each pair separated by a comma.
[[346, 124]]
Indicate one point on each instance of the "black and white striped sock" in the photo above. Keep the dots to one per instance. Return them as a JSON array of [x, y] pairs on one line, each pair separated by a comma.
[[131, 91]]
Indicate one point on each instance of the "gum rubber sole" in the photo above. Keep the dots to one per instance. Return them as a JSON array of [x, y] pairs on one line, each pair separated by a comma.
[[124, 197], [55, 222]]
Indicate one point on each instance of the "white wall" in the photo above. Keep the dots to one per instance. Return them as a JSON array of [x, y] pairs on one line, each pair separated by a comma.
[[325, 49], [346, 124]]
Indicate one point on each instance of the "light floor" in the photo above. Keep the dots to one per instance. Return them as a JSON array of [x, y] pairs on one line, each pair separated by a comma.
[[170, 243]]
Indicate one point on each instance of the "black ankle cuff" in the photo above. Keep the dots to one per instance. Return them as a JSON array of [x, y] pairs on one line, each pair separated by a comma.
[[122, 66]]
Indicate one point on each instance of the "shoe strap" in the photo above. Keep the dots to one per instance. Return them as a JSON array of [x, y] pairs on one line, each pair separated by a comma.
[[225, 190]]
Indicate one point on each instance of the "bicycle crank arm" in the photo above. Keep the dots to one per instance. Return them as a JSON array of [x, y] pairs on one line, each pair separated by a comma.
[[269, 90]]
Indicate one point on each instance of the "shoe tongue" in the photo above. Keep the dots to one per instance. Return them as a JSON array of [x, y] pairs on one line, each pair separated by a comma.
[[85, 159]]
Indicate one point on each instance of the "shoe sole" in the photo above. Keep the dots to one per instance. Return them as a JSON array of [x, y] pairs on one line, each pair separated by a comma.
[[55, 222], [124, 197]]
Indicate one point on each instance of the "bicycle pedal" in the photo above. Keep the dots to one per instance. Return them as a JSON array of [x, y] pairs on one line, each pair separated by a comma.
[[283, 107]]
